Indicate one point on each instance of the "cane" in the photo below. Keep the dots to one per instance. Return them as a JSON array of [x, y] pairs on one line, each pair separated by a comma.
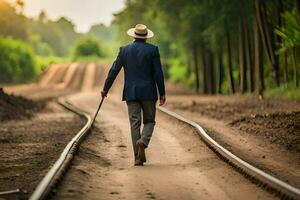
[[101, 102]]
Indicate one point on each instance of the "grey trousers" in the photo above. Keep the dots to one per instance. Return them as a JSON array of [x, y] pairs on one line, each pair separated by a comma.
[[138, 111]]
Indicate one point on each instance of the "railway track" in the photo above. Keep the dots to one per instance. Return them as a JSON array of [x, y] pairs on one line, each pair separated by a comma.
[[61, 165], [259, 177], [268, 182]]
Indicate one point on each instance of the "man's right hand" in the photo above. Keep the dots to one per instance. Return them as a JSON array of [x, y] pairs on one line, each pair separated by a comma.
[[162, 100], [103, 94]]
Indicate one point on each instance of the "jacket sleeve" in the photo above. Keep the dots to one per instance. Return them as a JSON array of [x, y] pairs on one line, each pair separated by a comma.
[[158, 73], [113, 72]]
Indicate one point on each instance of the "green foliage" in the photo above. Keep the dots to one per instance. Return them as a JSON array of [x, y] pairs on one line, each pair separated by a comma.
[[290, 33], [287, 92], [41, 48], [198, 33], [87, 47], [44, 61], [17, 61], [45, 42], [12, 24], [107, 36], [57, 35], [102, 32], [46, 36], [177, 71]]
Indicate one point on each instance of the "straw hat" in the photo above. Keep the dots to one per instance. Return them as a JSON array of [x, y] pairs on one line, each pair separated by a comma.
[[140, 31]]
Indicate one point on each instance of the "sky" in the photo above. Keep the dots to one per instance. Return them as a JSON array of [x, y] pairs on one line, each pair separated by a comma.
[[83, 13]]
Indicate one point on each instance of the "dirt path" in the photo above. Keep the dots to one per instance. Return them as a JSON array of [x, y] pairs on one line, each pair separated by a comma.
[[29, 147], [257, 131], [180, 166], [32, 137]]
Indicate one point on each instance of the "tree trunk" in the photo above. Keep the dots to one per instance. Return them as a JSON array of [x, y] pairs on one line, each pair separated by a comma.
[[205, 78], [285, 69], [218, 72], [295, 67], [196, 65], [266, 38], [249, 56], [284, 57], [297, 5], [242, 60], [210, 72], [259, 73], [228, 48]]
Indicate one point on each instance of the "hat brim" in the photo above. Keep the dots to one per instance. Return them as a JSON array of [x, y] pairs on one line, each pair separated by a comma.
[[131, 33]]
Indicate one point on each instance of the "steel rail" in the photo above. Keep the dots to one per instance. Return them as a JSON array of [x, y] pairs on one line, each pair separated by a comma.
[[58, 169], [283, 189], [271, 183]]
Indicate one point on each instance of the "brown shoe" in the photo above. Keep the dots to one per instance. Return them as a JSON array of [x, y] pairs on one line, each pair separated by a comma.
[[138, 163], [141, 150]]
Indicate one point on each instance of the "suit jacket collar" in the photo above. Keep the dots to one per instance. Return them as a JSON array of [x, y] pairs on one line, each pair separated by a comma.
[[137, 40]]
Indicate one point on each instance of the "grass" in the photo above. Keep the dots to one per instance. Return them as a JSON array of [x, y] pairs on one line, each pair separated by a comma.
[[93, 59], [44, 62], [285, 92]]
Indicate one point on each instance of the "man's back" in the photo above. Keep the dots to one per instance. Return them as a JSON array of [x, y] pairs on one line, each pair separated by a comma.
[[142, 69]]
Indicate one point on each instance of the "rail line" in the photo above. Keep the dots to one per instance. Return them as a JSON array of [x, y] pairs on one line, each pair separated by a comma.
[[61, 165], [261, 178]]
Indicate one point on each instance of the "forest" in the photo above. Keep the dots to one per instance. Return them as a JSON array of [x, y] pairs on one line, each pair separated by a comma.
[[228, 46], [209, 46]]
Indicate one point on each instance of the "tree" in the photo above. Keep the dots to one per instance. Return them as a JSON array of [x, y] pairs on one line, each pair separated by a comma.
[[214, 39], [87, 47], [266, 38], [12, 24], [290, 35]]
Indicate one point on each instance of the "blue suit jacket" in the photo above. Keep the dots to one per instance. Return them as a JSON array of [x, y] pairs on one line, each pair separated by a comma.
[[143, 72]]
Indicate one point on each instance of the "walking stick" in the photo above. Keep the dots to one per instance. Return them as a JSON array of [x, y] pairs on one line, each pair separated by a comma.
[[101, 102]]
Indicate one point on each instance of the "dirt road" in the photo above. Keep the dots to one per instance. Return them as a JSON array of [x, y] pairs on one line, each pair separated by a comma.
[[34, 133], [180, 165], [265, 133]]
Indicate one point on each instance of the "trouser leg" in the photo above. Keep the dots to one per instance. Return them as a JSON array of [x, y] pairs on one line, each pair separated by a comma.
[[134, 112], [149, 110]]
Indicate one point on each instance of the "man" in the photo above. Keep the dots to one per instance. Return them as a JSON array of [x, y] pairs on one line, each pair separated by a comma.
[[143, 76]]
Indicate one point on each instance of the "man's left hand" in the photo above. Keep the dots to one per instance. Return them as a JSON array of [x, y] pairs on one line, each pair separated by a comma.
[[103, 94]]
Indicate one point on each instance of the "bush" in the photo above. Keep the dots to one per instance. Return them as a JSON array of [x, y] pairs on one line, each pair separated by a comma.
[[284, 91], [45, 61], [17, 61], [178, 73], [87, 47]]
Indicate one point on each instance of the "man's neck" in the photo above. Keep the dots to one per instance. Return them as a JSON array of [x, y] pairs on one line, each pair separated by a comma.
[[139, 40]]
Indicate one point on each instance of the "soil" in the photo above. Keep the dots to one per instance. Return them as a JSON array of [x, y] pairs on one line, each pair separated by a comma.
[[179, 165], [278, 128], [274, 120], [30, 146], [264, 133], [17, 107]]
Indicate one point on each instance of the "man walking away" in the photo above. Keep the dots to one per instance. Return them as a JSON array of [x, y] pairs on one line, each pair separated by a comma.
[[143, 77]]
